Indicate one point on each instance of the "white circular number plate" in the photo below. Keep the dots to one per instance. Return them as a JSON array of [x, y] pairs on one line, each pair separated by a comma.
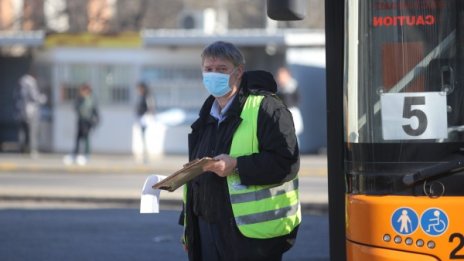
[[414, 116]]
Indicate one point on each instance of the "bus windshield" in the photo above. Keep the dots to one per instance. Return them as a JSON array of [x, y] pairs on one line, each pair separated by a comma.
[[403, 76], [403, 94]]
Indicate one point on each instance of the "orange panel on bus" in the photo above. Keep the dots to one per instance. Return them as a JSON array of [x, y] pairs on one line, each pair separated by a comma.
[[398, 59]]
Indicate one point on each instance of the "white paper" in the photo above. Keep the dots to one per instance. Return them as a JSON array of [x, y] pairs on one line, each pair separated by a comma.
[[149, 200]]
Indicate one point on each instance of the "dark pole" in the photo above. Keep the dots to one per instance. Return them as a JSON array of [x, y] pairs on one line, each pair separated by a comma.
[[334, 42]]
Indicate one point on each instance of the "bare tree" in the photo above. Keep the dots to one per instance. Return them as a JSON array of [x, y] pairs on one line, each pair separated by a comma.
[[162, 14], [77, 15], [130, 14], [33, 18], [99, 16], [247, 14]]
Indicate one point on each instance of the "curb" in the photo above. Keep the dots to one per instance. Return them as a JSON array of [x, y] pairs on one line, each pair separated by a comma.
[[167, 204], [125, 164], [15, 168], [101, 169]]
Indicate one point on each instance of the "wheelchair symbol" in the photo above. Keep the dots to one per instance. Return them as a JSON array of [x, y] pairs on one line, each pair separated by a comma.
[[436, 224], [434, 221]]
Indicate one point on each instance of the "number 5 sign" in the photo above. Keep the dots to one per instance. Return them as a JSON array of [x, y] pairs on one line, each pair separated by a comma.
[[414, 116]]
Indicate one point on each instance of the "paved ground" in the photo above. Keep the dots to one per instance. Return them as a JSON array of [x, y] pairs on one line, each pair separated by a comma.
[[53, 211], [121, 234], [118, 179], [311, 165]]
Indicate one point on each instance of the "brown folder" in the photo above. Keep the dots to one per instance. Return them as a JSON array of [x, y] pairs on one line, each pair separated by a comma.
[[182, 176]]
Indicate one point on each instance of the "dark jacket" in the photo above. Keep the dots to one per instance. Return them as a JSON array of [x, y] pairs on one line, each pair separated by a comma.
[[277, 161], [87, 111], [145, 105]]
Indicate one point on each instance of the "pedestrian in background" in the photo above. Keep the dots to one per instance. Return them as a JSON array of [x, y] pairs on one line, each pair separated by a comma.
[[87, 118], [245, 206], [145, 111], [28, 103], [289, 93]]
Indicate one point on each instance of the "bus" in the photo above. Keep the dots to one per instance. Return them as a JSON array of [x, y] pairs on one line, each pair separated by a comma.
[[395, 100]]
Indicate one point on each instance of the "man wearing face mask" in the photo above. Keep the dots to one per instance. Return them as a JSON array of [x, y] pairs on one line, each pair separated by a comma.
[[245, 206]]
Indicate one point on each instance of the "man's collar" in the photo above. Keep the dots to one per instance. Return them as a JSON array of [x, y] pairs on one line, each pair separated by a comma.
[[216, 111]]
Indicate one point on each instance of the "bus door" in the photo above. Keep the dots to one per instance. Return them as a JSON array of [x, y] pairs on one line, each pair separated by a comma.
[[404, 129]]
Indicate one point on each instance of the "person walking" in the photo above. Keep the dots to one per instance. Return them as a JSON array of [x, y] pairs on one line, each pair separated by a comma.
[[245, 206], [145, 109], [289, 93], [87, 119], [28, 102]]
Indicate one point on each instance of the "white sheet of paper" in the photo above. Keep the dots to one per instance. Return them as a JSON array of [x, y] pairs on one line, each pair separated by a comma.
[[414, 115], [149, 200]]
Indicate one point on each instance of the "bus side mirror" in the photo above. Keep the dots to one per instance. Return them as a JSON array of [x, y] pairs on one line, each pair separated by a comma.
[[286, 10]]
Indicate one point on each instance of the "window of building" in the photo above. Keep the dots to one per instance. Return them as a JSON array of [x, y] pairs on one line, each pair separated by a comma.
[[114, 82], [175, 87], [70, 77], [110, 83]]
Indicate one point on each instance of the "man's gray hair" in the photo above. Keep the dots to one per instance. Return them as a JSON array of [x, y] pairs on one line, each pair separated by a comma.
[[223, 50]]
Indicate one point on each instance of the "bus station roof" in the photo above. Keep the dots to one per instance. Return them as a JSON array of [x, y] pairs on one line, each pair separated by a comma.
[[189, 37], [241, 37], [23, 38]]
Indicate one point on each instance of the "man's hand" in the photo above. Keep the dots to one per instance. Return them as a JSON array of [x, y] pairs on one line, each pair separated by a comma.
[[184, 244], [223, 166]]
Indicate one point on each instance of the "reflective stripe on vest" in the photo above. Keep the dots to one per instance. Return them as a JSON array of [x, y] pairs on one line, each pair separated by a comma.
[[260, 211], [184, 201]]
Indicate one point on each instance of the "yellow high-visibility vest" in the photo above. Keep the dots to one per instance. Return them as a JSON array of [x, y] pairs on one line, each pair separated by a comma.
[[260, 211]]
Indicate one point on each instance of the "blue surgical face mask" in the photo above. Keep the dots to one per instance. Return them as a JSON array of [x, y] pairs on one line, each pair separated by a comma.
[[217, 84]]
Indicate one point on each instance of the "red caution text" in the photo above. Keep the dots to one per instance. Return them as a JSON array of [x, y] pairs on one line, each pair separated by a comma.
[[403, 20]]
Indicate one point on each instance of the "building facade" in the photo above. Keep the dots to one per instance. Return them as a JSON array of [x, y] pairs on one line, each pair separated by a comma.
[[168, 62]]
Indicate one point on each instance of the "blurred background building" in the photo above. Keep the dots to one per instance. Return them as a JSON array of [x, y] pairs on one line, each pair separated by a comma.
[[114, 44]]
